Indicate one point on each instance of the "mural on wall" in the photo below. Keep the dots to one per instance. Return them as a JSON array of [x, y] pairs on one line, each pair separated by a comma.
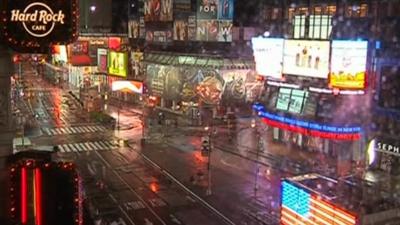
[[235, 85]]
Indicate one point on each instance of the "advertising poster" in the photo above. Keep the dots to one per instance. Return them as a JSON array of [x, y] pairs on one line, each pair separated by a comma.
[[207, 9], [189, 83], [155, 80], [173, 82], [133, 29], [102, 60], [118, 63], [210, 88], [234, 89], [207, 30], [142, 32], [127, 86], [225, 31], [158, 10], [79, 53], [192, 28], [159, 35], [180, 30], [268, 55], [306, 58], [225, 9], [348, 64], [136, 63], [94, 44]]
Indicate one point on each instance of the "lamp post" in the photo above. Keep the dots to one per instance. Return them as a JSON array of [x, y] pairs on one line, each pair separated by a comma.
[[254, 127], [209, 136]]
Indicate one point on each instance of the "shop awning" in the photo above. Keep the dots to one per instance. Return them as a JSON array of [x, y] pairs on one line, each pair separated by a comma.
[[215, 62]]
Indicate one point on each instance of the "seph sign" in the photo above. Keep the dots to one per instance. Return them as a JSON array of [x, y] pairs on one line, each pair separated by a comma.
[[32, 26]]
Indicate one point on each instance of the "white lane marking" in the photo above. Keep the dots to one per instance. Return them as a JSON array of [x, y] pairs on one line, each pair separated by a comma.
[[98, 145], [88, 147], [47, 131], [93, 146], [82, 146], [72, 147], [61, 148]]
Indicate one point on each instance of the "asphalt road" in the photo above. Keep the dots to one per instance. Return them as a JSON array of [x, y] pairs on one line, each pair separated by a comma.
[[120, 186]]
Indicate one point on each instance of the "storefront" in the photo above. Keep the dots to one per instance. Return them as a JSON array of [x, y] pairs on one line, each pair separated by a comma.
[[384, 155], [313, 95]]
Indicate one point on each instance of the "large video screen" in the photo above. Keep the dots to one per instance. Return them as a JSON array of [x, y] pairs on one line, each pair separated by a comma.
[[291, 100], [283, 100], [268, 55], [348, 64], [118, 63], [306, 58]]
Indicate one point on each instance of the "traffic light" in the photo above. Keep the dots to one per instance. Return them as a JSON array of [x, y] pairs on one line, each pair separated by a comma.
[[205, 146]]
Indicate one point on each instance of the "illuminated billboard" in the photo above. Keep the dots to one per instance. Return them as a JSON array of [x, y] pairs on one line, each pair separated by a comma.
[[268, 55], [127, 86], [158, 10], [33, 26], [348, 64], [214, 20], [102, 60], [291, 100], [306, 58], [301, 206], [117, 63]]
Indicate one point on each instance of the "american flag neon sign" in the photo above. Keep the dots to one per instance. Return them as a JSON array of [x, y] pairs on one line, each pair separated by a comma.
[[300, 207]]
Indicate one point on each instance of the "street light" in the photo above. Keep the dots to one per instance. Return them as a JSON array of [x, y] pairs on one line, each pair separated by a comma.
[[253, 126], [210, 149]]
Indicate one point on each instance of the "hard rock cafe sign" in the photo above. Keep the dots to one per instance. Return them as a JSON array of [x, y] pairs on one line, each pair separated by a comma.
[[37, 18], [32, 26]]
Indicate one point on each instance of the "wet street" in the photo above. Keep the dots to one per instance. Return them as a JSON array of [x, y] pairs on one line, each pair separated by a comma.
[[164, 181]]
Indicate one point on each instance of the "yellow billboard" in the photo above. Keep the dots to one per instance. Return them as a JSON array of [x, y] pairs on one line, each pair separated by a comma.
[[348, 64], [118, 63]]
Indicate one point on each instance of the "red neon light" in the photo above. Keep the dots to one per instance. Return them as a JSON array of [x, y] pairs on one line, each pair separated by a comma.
[[38, 196], [24, 195], [297, 129]]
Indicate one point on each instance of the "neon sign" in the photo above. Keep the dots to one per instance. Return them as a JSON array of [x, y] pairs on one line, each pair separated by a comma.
[[307, 127]]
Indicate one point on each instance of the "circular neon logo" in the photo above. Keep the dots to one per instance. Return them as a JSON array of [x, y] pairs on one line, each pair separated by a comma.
[[38, 19]]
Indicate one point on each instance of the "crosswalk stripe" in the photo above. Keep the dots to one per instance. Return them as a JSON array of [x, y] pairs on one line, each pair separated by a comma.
[[63, 130], [59, 131], [91, 128], [72, 147], [87, 146], [74, 130], [47, 131], [98, 145], [93, 146], [86, 129], [81, 129], [66, 148], [53, 131], [101, 128], [61, 148], [109, 144], [69, 130], [103, 144], [82, 146]]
